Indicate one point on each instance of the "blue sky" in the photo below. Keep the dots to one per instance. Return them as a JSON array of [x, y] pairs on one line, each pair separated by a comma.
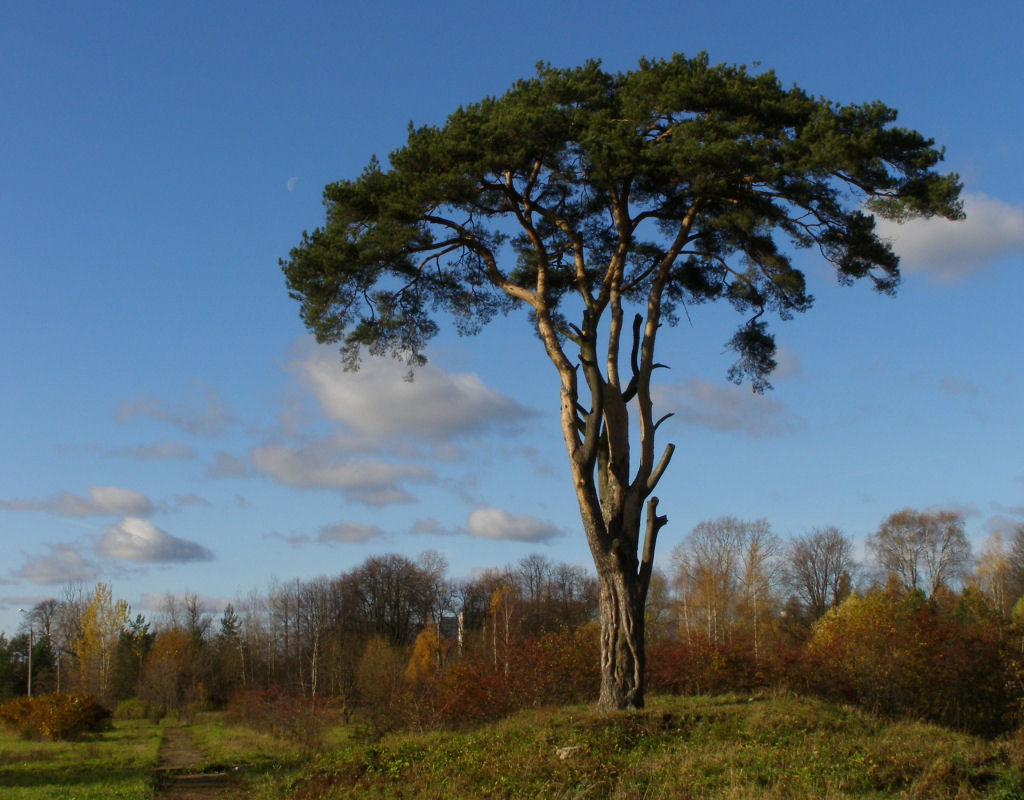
[[168, 426]]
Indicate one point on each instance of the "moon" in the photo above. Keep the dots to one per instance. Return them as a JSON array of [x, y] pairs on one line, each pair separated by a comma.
[[290, 185]]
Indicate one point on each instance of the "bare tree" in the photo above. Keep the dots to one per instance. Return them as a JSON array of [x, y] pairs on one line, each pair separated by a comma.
[[992, 574], [1015, 564], [759, 577], [924, 550], [818, 569], [725, 573]]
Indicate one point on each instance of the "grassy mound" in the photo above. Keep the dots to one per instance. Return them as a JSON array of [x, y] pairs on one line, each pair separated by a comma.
[[724, 747]]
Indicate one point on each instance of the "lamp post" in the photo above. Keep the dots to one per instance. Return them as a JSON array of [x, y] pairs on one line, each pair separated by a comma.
[[30, 643]]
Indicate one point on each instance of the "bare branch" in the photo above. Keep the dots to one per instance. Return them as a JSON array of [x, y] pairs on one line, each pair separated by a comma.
[[663, 418], [657, 472], [654, 524]]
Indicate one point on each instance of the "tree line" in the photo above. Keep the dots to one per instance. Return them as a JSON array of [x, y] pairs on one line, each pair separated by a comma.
[[736, 607]]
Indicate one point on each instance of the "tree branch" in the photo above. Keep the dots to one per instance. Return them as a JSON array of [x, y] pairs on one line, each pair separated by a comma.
[[494, 275], [654, 524], [666, 456], [630, 391]]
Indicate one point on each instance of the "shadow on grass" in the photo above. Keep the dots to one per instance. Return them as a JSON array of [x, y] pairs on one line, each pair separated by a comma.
[[12, 778]]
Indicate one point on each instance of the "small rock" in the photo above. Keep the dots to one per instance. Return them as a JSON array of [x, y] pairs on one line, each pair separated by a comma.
[[568, 752]]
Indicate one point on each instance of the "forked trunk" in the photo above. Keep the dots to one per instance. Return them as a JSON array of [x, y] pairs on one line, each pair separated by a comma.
[[622, 641]]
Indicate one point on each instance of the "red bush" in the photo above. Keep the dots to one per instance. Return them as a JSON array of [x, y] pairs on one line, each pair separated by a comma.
[[553, 669], [701, 666]]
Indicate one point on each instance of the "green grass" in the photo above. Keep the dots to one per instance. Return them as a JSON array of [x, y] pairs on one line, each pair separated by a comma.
[[117, 764], [729, 747], [726, 748], [262, 762]]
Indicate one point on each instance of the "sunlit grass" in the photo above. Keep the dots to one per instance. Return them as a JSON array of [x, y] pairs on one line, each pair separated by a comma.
[[724, 748], [226, 744], [721, 748], [116, 764]]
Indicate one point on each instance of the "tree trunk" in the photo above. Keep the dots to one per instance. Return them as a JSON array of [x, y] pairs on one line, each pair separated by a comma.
[[622, 640]]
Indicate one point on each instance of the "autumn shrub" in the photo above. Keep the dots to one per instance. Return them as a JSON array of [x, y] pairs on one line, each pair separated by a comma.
[[941, 659], [382, 686], [136, 708], [556, 668], [698, 665], [16, 713], [300, 720], [131, 708], [55, 716]]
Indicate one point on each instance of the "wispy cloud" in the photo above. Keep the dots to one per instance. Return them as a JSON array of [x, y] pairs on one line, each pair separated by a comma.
[[226, 465], [493, 523], [432, 527], [101, 500], [162, 451], [207, 415], [349, 532], [1004, 520], [436, 406], [726, 408], [319, 466], [949, 251], [138, 540], [180, 501], [787, 365], [63, 563]]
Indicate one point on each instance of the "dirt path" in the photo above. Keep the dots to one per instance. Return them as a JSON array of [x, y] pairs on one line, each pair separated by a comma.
[[177, 779]]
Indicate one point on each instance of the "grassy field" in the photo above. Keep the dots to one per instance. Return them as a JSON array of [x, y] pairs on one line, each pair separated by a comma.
[[115, 765], [731, 748]]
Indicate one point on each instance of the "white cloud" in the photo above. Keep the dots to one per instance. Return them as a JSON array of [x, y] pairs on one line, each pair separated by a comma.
[[111, 499], [349, 532], [948, 251], [493, 523], [317, 467], [102, 500], [377, 402], [725, 407], [134, 539], [207, 416], [64, 563]]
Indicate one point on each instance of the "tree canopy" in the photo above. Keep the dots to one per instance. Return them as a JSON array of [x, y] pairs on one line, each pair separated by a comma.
[[579, 193], [679, 174]]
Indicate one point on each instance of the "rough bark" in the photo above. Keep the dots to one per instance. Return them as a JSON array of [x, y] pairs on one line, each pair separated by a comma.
[[622, 640]]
